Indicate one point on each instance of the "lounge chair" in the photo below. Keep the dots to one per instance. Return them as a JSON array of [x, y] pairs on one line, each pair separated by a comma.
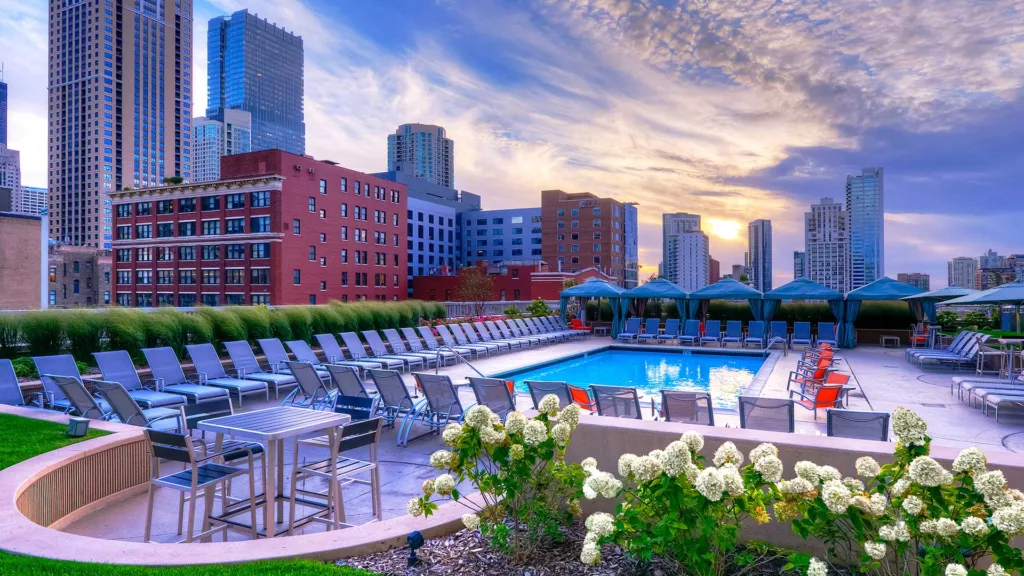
[[379, 350], [443, 404], [60, 365], [82, 402], [801, 334], [824, 396], [997, 401], [809, 375], [211, 372], [346, 380], [855, 424], [396, 402], [779, 329], [463, 340], [539, 389], [967, 358], [10, 390], [166, 370], [474, 338], [445, 356], [304, 352], [755, 334], [712, 333], [631, 331], [278, 358], [433, 345], [487, 335], [449, 341], [955, 345], [540, 328], [357, 352], [521, 329], [510, 330], [691, 333], [335, 355], [117, 366], [399, 347], [733, 333], [772, 414], [684, 406], [578, 328], [248, 368], [129, 412], [494, 394], [827, 333], [531, 328], [554, 326], [311, 391], [671, 331], [616, 401], [650, 330]]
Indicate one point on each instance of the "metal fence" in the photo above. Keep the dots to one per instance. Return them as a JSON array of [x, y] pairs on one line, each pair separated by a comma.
[[463, 309]]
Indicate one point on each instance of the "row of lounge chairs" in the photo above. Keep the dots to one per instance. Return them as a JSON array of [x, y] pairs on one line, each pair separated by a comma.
[[961, 352], [990, 394], [694, 333]]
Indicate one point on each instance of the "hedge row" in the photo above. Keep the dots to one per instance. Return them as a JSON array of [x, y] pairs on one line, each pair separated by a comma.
[[872, 315], [82, 332]]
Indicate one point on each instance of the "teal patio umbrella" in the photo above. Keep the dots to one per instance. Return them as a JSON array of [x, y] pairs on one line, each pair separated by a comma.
[[802, 289], [1012, 293], [884, 288], [928, 300], [595, 288], [658, 288], [724, 289]]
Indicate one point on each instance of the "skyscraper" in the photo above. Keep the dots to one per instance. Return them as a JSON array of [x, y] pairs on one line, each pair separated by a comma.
[[685, 251], [256, 66], [799, 264], [866, 212], [120, 107], [424, 150], [759, 249], [212, 139], [990, 259], [960, 272], [3, 108], [827, 245]]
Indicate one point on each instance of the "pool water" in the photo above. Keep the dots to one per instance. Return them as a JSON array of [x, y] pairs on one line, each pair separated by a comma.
[[724, 376]]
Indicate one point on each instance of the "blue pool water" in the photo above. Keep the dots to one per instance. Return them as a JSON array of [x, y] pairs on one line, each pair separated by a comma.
[[724, 376]]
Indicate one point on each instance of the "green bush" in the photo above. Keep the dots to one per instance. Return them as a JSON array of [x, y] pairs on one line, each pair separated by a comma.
[[126, 330], [389, 314], [670, 309], [539, 308], [167, 327], [326, 320], [85, 331], [725, 311], [362, 316], [376, 312], [407, 314], [9, 336], [256, 320], [885, 316], [435, 311], [605, 311], [419, 311], [349, 322], [804, 312], [24, 367], [512, 312], [226, 326], [300, 322], [947, 320], [653, 309], [280, 326], [43, 333]]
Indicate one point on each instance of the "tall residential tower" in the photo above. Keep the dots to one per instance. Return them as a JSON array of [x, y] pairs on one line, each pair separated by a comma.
[[827, 245], [759, 243], [866, 212], [212, 139], [685, 251], [960, 272], [423, 150], [3, 108]]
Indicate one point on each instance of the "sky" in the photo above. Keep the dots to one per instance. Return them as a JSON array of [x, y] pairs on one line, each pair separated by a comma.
[[731, 109]]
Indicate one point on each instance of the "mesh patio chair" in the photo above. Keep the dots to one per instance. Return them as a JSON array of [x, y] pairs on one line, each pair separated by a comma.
[[397, 403], [631, 330], [499, 331], [650, 332], [335, 355], [379, 350], [60, 365], [616, 401], [540, 328], [691, 332], [539, 389], [801, 334], [712, 333], [449, 341], [129, 412], [10, 391], [248, 367], [671, 330], [166, 370], [494, 394], [553, 328], [487, 336], [445, 356], [857, 424], [117, 366], [755, 334], [311, 391], [82, 402], [772, 414], [432, 343], [357, 352], [510, 330], [533, 330], [521, 329], [346, 380], [481, 337], [399, 347], [683, 406], [211, 372], [463, 340], [443, 405], [278, 358]]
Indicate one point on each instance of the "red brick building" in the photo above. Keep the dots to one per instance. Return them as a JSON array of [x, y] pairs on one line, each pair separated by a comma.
[[581, 230], [512, 281], [278, 228]]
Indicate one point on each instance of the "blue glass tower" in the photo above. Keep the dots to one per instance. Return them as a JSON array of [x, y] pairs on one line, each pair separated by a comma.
[[864, 204], [3, 110], [257, 67]]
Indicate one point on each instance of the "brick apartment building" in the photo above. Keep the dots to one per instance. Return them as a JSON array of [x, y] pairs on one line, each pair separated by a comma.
[[21, 260], [581, 230], [277, 228], [513, 281], [79, 276]]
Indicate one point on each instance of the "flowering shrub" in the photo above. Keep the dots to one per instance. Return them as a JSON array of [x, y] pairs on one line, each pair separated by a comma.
[[529, 492]]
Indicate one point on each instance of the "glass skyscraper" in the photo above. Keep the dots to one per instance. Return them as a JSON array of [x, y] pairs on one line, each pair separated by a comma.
[[866, 213], [759, 249], [3, 110], [256, 66]]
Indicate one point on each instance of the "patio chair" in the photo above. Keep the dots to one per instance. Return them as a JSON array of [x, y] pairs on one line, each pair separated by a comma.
[[500, 332], [449, 341], [398, 347], [82, 402], [356, 407], [810, 374], [554, 326], [539, 328], [60, 365], [463, 340], [691, 333], [117, 366], [650, 330], [998, 400], [396, 402], [335, 355], [346, 380], [827, 333], [631, 331], [772, 414], [10, 390], [920, 336], [954, 346], [487, 336], [278, 358], [510, 330], [469, 333], [529, 329], [444, 356], [671, 331], [248, 368], [433, 345], [128, 411], [577, 327], [733, 333], [494, 394], [311, 391], [856, 424], [201, 474], [684, 406], [539, 389], [357, 352], [616, 401], [801, 334], [166, 371], [824, 396], [443, 403], [210, 372], [779, 329], [304, 352], [755, 334], [967, 358], [379, 350], [712, 333]]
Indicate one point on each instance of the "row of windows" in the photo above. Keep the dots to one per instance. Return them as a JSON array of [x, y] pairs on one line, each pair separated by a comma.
[[517, 219], [379, 192], [515, 252], [206, 277], [360, 280], [257, 224], [260, 250], [259, 199], [146, 300], [576, 224], [499, 242]]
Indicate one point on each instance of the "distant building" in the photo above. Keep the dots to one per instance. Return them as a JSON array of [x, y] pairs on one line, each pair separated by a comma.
[[990, 259], [423, 189], [499, 235], [631, 245], [866, 226], [79, 276], [714, 270], [515, 281], [424, 151], [10, 168], [990, 277], [685, 249], [22, 256], [580, 230], [827, 245], [255, 66], [739, 273], [431, 239], [212, 139], [759, 242], [960, 272], [922, 281], [3, 109], [799, 264]]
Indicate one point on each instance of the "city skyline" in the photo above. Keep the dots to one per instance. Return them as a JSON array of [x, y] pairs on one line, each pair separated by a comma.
[[530, 120]]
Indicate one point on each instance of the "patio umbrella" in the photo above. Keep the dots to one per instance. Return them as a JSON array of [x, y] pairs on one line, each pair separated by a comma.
[[1012, 293], [927, 300]]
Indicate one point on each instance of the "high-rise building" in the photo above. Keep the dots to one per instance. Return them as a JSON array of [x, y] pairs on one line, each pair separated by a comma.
[[917, 279], [256, 66], [865, 208], [212, 139], [29, 200], [714, 270], [827, 245], [759, 243], [960, 272], [990, 259], [739, 273], [497, 236], [631, 245], [580, 230], [120, 108], [3, 108], [10, 168], [423, 150], [684, 249], [799, 264]]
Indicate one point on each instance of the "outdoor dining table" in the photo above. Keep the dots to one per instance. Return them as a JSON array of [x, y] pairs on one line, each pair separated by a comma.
[[1008, 344], [271, 427]]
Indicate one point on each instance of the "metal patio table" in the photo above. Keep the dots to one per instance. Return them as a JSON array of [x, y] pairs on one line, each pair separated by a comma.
[[271, 427]]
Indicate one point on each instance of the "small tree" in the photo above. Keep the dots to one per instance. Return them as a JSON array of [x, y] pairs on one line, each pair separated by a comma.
[[475, 286], [566, 284], [173, 180]]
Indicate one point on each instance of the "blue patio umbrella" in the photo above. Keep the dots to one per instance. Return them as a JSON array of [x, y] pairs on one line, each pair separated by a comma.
[[657, 288], [928, 300], [884, 288], [595, 288], [1012, 293], [725, 289], [802, 289]]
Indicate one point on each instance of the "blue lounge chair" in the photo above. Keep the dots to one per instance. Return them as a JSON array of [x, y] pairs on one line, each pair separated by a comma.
[[117, 366], [827, 333], [712, 332], [631, 331], [755, 334], [691, 332], [778, 329], [801, 334], [671, 330], [733, 332], [210, 371], [248, 367], [61, 365], [650, 330]]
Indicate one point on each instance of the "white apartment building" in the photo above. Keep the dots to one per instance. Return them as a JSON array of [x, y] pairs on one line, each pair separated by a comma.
[[827, 245], [212, 139], [30, 200], [424, 151], [685, 251], [960, 272]]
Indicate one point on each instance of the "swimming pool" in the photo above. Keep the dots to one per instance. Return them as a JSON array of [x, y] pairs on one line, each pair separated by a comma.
[[724, 376]]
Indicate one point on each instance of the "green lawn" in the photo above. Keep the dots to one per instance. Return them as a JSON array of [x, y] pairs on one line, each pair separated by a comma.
[[23, 438]]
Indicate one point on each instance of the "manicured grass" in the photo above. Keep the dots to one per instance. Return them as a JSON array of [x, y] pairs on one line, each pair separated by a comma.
[[11, 565], [1002, 334], [22, 438]]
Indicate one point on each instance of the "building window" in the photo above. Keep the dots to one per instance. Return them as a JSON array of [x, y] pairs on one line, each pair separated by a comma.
[[144, 300], [235, 225], [144, 277], [296, 227], [312, 203], [211, 277], [561, 213], [141, 255], [312, 298], [597, 223], [259, 276], [144, 209], [312, 253], [122, 255], [211, 227], [323, 261], [234, 252], [323, 285], [211, 202], [234, 299], [323, 214], [165, 230], [124, 232], [186, 300], [323, 187], [296, 277], [357, 189], [344, 256], [234, 276], [144, 231], [186, 205], [165, 254], [211, 300], [75, 285], [344, 210], [259, 224], [186, 253], [344, 279], [165, 277], [106, 296], [186, 229], [124, 277], [211, 252], [123, 298], [260, 199], [344, 184], [344, 232], [124, 210], [260, 250]]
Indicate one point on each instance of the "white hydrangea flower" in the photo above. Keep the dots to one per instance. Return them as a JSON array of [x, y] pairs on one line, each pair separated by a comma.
[[516, 451], [1009, 520], [548, 405], [925, 471], [535, 433], [451, 435], [973, 526], [656, 454], [808, 471], [855, 485], [472, 521], [591, 553], [835, 496], [589, 462], [955, 570], [442, 459], [867, 505], [694, 440], [990, 483], [646, 469], [817, 568], [710, 484], [492, 437], [880, 502], [428, 487], [876, 550], [970, 461], [999, 499], [867, 467], [763, 449], [795, 486], [732, 480], [692, 472], [727, 453], [515, 422], [560, 432], [996, 570], [600, 483], [675, 458], [944, 527], [626, 464], [908, 427], [913, 505], [826, 473], [413, 507], [570, 416], [600, 524], [479, 416], [900, 487], [769, 467], [895, 532], [444, 484]]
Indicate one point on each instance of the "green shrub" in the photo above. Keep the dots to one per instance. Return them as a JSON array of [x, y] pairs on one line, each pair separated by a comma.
[[9, 336], [947, 320], [85, 331], [538, 308], [126, 330], [280, 326], [325, 320], [418, 310], [376, 312], [653, 308], [438, 311], [886, 316], [343, 310], [804, 312], [43, 333], [605, 311], [256, 320], [725, 310], [227, 327], [512, 312], [24, 367], [167, 327], [407, 314], [389, 316], [196, 329], [362, 316], [300, 322]]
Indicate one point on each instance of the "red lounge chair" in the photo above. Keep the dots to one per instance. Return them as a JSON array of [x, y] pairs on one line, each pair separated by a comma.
[[827, 396]]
